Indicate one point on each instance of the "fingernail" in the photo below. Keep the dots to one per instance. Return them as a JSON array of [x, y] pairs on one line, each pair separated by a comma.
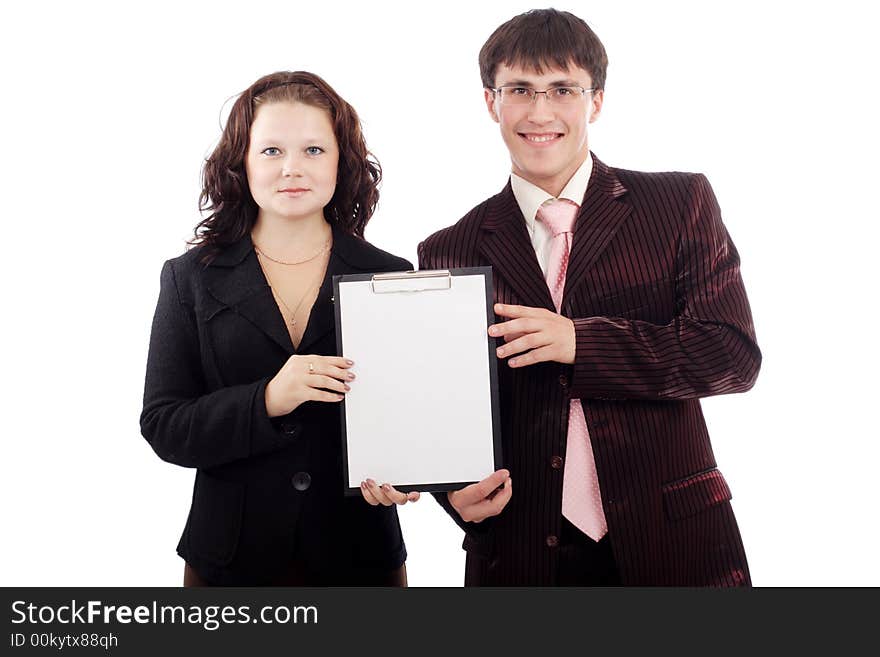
[[347, 387], [493, 330], [351, 376], [513, 362], [371, 483], [386, 487], [500, 352]]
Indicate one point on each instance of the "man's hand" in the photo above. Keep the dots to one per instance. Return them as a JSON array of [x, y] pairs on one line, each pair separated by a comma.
[[543, 335], [483, 499]]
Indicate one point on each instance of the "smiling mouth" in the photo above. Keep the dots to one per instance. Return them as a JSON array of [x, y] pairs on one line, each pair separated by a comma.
[[541, 138], [298, 190]]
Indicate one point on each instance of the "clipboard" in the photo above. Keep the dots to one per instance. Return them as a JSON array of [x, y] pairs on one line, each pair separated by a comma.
[[423, 413]]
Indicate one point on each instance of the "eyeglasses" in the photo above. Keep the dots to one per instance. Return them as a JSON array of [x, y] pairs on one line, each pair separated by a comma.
[[512, 95]]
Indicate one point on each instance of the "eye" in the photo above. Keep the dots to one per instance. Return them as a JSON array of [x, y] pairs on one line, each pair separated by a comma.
[[519, 91], [314, 150], [271, 151], [564, 91]]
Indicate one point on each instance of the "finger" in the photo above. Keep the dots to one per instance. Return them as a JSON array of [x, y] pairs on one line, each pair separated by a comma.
[[378, 493], [330, 361], [323, 396], [321, 381], [492, 506], [482, 489], [539, 355], [526, 342], [413, 496], [368, 494], [393, 494], [337, 373], [503, 496], [521, 325], [324, 368], [509, 310]]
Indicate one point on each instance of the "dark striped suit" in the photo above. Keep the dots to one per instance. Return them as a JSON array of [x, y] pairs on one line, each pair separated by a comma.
[[661, 319]]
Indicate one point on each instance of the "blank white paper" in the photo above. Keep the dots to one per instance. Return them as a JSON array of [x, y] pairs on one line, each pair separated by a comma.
[[420, 410]]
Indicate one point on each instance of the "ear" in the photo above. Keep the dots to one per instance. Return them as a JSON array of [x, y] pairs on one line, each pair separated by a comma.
[[596, 101], [489, 97]]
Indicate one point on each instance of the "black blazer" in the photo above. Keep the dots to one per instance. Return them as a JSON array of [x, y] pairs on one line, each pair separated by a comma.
[[267, 491]]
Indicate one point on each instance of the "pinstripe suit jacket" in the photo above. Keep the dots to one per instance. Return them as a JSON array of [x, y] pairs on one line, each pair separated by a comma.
[[661, 319]]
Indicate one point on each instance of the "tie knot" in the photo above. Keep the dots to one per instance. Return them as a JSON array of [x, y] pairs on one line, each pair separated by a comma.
[[558, 215]]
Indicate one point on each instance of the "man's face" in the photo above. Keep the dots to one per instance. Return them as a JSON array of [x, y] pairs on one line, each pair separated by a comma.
[[547, 141]]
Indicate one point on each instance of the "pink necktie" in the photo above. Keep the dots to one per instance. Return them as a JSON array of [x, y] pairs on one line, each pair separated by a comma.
[[581, 499]]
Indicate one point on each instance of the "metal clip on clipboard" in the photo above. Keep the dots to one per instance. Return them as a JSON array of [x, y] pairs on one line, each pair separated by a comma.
[[411, 281]]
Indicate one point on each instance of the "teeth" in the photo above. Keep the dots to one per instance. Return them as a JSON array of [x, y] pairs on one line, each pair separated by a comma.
[[540, 138]]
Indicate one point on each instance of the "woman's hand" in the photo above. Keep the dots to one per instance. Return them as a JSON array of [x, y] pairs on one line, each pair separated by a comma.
[[385, 494], [308, 378]]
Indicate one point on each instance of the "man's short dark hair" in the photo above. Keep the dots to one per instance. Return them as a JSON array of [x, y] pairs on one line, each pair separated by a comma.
[[544, 39]]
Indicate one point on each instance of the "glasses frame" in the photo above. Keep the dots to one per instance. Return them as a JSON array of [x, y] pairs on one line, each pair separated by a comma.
[[533, 93]]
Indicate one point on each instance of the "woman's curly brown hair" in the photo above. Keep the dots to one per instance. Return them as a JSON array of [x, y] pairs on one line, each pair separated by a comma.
[[225, 192]]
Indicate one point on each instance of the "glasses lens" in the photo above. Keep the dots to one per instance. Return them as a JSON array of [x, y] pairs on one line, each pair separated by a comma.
[[516, 95], [564, 95]]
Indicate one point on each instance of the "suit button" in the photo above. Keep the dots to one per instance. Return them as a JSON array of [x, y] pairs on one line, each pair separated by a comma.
[[552, 540], [289, 429], [556, 462], [302, 480], [563, 380]]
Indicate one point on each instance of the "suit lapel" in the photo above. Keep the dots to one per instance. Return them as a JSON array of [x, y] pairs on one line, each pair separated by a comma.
[[350, 255], [235, 279], [600, 216], [322, 318], [505, 244]]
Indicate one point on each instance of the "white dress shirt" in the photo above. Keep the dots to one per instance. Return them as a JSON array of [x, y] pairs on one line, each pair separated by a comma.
[[530, 198]]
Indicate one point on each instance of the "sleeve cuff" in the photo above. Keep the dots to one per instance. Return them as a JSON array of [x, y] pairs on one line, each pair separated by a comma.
[[270, 434]]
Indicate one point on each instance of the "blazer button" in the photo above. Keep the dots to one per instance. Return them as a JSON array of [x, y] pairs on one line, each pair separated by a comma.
[[302, 480], [288, 429], [563, 380], [556, 462], [552, 540]]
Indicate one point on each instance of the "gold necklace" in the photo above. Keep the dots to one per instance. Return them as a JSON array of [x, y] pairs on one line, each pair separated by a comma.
[[309, 289], [300, 262]]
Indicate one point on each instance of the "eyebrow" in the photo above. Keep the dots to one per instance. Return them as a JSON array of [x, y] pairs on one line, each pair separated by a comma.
[[556, 83], [276, 139]]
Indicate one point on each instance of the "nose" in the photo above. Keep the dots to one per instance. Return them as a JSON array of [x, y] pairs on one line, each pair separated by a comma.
[[291, 167], [540, 109]]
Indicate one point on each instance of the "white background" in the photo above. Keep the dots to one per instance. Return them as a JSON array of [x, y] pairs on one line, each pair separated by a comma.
[[108, 111]]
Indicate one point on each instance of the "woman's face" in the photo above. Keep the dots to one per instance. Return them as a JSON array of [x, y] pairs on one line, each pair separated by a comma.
[[291, 161]]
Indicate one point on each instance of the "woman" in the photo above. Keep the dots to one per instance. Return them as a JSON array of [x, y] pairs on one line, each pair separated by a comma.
[[243, 381]]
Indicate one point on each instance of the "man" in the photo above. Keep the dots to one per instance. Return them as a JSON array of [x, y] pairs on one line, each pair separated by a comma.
[[623, 305]]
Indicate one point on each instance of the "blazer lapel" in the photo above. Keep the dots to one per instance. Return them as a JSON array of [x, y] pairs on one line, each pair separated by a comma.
[[235, 279], [322, 319], [505, 244], [349, 255], [600, 216]]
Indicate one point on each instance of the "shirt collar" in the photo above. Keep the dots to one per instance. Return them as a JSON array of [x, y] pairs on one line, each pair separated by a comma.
[[530, 197]]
